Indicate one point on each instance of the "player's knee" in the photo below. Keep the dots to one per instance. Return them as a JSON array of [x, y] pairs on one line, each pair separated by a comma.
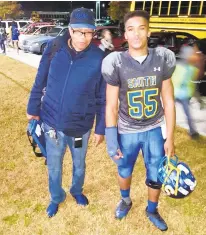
[[125, 172], [153, 184]]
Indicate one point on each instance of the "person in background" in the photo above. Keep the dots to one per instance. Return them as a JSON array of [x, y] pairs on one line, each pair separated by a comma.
[[106, 41], [198, 60], [1, 24], [2, 39], [184, 88], [15, 36], [2, 36]]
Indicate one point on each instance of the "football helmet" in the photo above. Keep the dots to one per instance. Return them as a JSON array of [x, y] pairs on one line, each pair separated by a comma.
[[176, 178]]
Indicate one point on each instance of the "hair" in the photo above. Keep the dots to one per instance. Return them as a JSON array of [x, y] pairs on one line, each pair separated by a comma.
[[104, 31], [137, 13], [14, 23]]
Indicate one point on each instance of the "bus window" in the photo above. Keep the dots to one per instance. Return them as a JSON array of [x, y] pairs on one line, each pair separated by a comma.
[[164, 7], [155, 10], [147, 6], [138, 5], [174, 7], [195, 8], [204, 8], [184, 7]]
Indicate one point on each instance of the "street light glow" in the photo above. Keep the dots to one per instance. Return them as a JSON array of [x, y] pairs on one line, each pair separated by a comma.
[[97, 9]]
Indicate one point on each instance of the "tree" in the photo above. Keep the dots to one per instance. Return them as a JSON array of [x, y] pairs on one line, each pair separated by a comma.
[[35, 16], [10, 9], [117, 10]]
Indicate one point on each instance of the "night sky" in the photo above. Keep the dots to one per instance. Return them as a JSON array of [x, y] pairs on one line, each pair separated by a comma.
[[57, 5]]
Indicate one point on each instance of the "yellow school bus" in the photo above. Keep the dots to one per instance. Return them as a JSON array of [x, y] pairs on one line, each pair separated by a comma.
[[184, 16]]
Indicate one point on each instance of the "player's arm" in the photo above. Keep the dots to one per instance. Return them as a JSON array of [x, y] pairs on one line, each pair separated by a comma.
[[112, 94], [167, 93], [170, 115]]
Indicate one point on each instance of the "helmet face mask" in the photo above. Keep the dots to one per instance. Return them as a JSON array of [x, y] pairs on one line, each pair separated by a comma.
[[176, 178]]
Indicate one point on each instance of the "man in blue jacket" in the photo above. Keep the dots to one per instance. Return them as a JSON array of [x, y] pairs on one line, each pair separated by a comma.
[[75, 93]]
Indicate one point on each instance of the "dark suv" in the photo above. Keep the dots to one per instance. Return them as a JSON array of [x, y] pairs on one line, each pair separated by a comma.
[[171, 40]]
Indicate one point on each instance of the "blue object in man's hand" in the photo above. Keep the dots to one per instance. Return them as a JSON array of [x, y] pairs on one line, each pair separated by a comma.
[[112, 141], [35, 135]]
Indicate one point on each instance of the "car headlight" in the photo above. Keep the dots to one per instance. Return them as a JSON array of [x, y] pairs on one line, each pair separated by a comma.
[[35, 44]]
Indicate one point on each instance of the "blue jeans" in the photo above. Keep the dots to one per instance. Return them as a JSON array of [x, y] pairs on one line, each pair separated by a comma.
[[152, 145], [2, 45], [185, 104], [56, 146]]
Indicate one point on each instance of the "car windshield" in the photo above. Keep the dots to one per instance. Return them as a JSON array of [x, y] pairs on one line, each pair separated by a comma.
[[25, 27], [31, 29], [54, 32]]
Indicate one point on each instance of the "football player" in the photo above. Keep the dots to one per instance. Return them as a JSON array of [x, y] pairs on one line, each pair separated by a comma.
[[141, 79]]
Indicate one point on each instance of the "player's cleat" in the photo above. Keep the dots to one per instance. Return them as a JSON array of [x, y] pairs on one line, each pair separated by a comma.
[[52, 209], [157, 220], [122, 209], [81, 199]]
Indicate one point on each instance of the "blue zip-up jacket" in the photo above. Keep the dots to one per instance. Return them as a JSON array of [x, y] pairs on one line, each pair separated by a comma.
[[75, 90]]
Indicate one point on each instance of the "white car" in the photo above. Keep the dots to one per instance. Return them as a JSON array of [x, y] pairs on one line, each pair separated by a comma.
[[40, 30], [20, 24]]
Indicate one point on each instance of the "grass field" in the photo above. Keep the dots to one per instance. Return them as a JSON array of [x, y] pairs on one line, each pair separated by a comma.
[[24, 192]]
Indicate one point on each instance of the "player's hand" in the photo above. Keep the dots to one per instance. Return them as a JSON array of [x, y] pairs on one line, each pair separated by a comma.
[[119, 155], [98, 139], [169, 148], [30, 117]]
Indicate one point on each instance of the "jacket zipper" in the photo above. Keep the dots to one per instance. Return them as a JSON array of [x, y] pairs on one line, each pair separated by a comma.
[[60, 109]]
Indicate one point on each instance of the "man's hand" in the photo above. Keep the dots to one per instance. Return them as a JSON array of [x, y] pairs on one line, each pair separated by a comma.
[[98, 139], [30, 117], [119, 155], [169, 148]]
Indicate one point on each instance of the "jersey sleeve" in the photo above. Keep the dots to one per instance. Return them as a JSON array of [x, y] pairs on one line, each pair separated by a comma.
[[169, 64], [109, 69]]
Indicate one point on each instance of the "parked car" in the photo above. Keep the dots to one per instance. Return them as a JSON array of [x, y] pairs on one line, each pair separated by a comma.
[[32, 27], [117, 34], [41, 30], [37, 44], [173, 40]]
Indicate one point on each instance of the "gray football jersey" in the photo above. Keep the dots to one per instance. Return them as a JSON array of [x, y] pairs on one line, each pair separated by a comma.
[[140, 84]]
